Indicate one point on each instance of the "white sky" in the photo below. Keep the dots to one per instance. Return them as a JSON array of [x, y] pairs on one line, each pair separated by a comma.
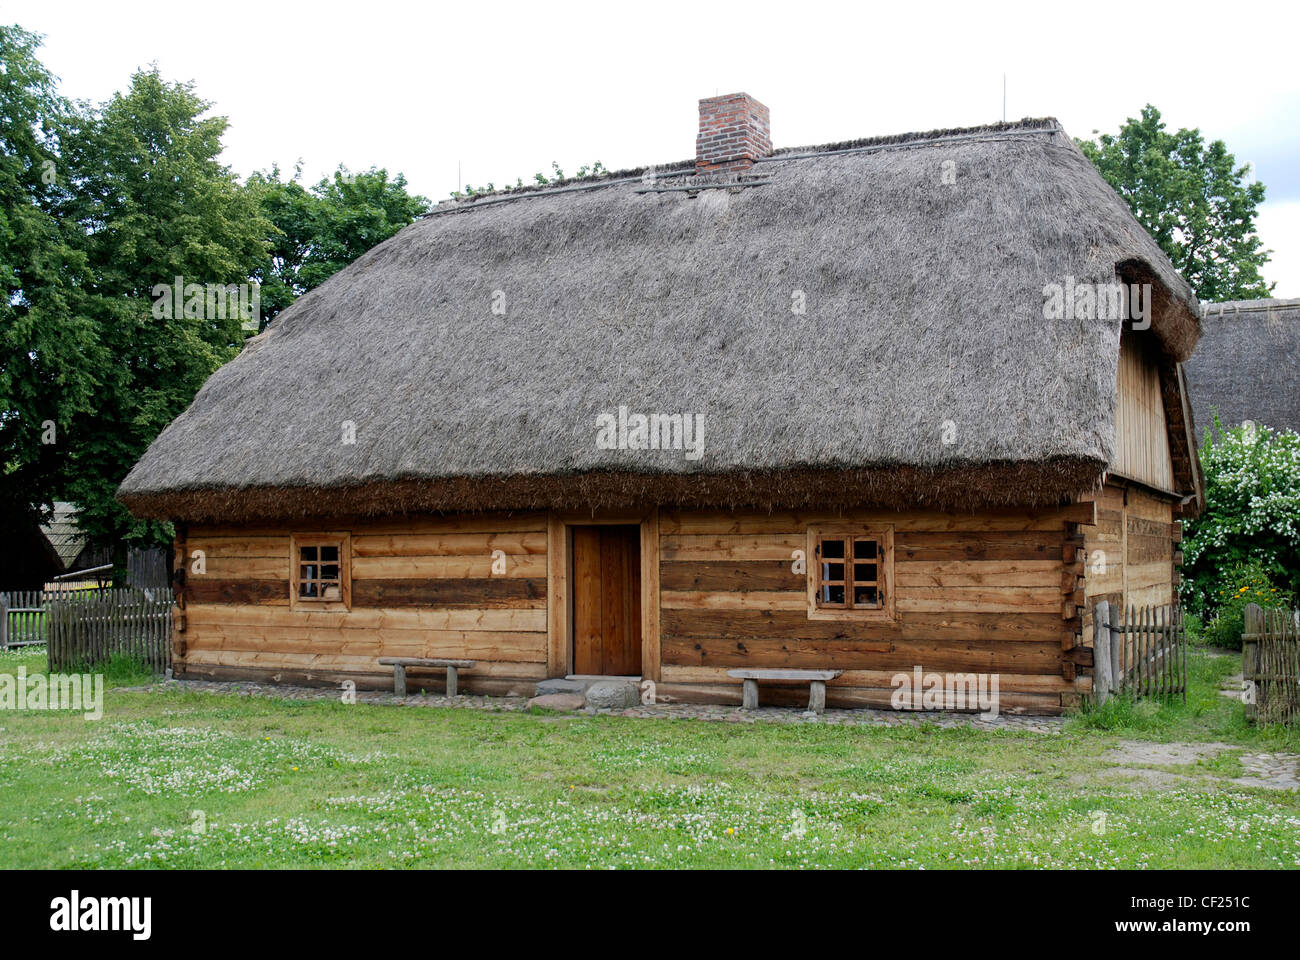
[[504, 88]]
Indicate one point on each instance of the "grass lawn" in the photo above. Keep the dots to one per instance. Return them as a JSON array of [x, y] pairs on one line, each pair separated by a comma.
[[197, 780]]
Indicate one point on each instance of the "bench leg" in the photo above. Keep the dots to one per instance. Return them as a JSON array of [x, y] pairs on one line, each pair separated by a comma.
[[817, 696], [749, 699], [452, 681], [399, 680]]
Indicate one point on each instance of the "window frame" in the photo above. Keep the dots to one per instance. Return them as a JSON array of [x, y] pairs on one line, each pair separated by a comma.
[[340, 539], [883, 534]]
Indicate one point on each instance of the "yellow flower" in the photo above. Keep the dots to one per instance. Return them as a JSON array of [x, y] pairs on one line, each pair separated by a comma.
[[730, 831], [295, 769]]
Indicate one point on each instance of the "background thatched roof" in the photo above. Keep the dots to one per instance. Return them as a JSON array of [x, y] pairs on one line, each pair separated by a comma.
[[924, 305], [1247, 366], [65, 535]]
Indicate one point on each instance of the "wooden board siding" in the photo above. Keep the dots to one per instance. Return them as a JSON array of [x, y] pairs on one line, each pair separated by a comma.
[[420, 588], [1141, 428], [974, 593], [1130, 550]]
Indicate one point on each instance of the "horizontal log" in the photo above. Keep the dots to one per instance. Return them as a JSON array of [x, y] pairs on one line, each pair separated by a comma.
[[242, 568], [501, 522], [977, 573], [204, 590], [977, 546], [731, 575], [950, 626], [445, 568], [760, 547], [1007, 682], [714, 523], [475, 644], [978, 599], [732, 600], [276, 547], [477, 593], [478, 682], [989, 657], [448, 544], [369, 618]]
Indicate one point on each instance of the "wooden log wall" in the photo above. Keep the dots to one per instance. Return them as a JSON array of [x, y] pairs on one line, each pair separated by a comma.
[[996, 592], [989, 593], [420, 588], [1132, 551]]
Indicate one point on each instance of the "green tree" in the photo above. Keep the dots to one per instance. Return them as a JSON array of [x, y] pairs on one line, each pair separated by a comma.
[[1251, 516], [319, 231], [48, 348], [1193, 199], [151, 202]]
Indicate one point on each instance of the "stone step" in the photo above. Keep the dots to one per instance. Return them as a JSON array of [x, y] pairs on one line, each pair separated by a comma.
[[607, 693]]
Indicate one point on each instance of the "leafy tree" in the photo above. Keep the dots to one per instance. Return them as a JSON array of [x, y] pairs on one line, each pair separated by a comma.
[[1251, 516], [48, 349], [319, 231], [1193, 199], [152, 203]]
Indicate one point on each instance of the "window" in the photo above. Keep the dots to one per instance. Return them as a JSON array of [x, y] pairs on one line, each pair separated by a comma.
[[850, 572], [322, 579]]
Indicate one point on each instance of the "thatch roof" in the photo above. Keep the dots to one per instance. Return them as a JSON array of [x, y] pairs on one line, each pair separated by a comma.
[[1247, 366], [64, 534], [924, 316]]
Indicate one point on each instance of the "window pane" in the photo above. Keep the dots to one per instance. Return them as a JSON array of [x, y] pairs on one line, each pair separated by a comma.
[[329, 571], [833, 594], [864, 572], [329, 553], [864, 549], [307, 553], [832, 549], [307, 589], [865, 596], [308, 571], [833, 571]]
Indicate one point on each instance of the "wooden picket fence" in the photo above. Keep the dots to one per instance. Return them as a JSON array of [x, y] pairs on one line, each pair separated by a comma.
[[22, 618], [1270, 664], [87, 629], [23, 613], [1141, 652]]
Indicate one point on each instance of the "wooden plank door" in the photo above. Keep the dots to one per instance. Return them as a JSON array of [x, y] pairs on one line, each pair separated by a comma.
[[607, 600]]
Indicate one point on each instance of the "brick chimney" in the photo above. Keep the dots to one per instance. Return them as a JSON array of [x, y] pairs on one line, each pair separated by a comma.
[[733, 133]]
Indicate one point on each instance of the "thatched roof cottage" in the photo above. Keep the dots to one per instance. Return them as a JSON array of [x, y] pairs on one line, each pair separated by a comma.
[[855, 407], [1247, 365]]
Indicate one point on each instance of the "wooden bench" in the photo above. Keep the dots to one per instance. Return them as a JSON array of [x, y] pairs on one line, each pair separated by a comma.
[[401, 664], [816, 684]]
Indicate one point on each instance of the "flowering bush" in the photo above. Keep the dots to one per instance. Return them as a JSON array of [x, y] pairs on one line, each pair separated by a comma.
[[1244, 583], [1252, 513]]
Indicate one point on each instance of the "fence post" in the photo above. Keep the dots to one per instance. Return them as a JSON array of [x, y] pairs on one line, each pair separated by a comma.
[[1250, 637], [4, 622], [1101, 664], [1116, 653]]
